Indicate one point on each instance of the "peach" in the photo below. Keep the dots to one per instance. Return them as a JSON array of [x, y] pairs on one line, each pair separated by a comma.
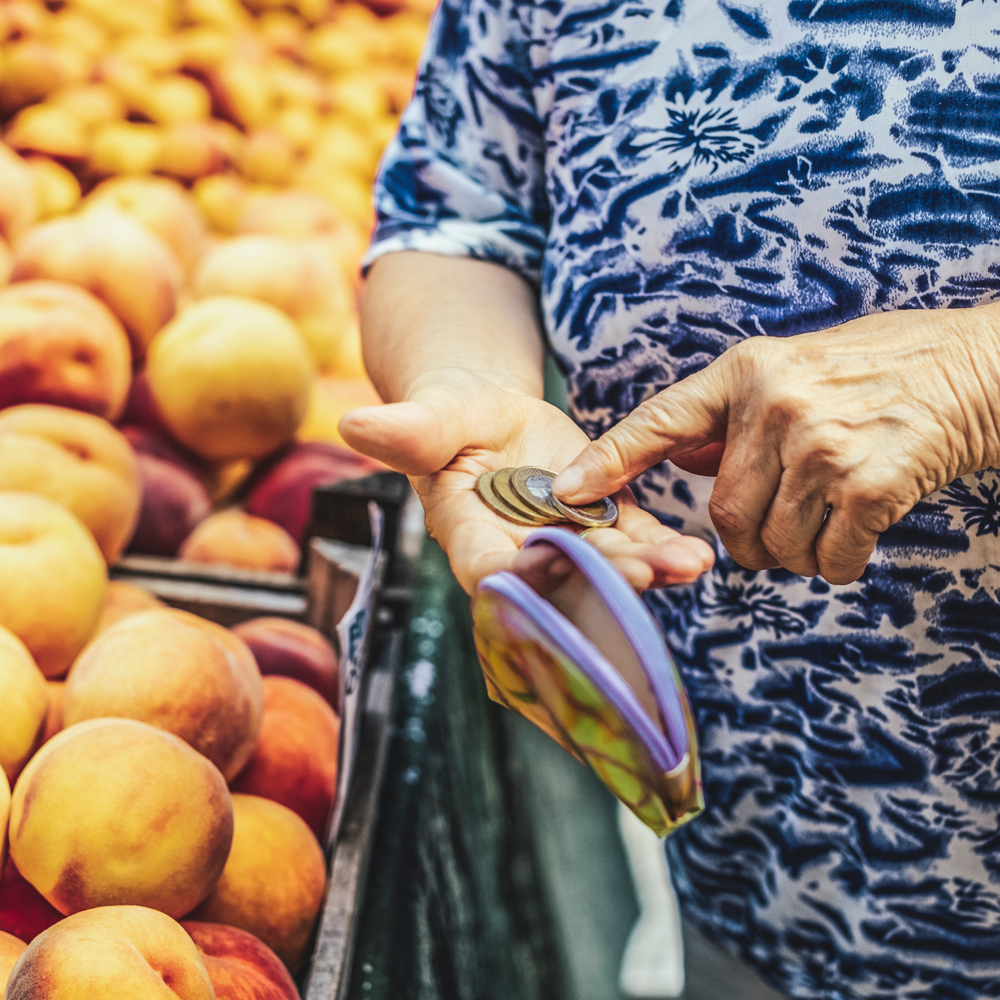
[[231, 377], [161, 205], [174, 497], [126, 148], [49, 129], [60, 345], [222, 199], [140, 407], [290, 213], [130, 269], [331, 398], [194, 149], [240, 966], [78, 460], [115, 953], [18, 198], [24, 911], [53, 712], [177, 672], [121, 600], [11, 949], [25, 702], [281, 488], [295, 762], [298, 276], [117, 811], [277, 903], [52, 579], [291, 649], [57, 188], [236, 538]]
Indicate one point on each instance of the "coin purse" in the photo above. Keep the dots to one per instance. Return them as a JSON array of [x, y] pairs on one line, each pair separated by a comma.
[[589, 667]]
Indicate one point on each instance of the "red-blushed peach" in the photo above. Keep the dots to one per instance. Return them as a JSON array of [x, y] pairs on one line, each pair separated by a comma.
[[53, 714], [240, 966], [11, 949], [177, 672], [281, 488], [161, 205], [77, 460], [236, 538], [230, 377], [131, 270], [24, 911], [123, 599], [61, 345], [298, 276], [277, 903], [114, 811], [115, 953], [291, 649], [295, 762], [174, 502], [52, 579], [25, 702]]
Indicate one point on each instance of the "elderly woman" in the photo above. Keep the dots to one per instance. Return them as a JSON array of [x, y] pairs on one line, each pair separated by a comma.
[[762, 242]]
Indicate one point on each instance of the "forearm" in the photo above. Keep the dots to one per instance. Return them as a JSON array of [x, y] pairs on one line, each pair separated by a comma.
[[424, 312]]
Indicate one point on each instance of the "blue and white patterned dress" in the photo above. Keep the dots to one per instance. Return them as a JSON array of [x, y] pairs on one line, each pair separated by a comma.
[[678, 175]]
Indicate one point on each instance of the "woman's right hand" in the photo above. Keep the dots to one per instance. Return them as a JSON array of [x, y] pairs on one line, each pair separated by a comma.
[[456, 424]]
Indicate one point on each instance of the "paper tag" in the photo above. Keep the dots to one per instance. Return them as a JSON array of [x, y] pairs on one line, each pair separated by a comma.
[[354, 634]]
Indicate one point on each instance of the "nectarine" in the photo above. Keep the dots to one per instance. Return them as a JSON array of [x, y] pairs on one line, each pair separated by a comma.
[[291, 649], [59, 344], [177, 672], [116, 811], [240, 966], [52, 579]]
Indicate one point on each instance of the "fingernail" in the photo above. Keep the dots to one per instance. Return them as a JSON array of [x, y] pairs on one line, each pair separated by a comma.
[[568, 483]]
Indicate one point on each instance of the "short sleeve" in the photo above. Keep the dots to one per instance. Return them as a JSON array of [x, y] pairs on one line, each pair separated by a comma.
[[465, 173]]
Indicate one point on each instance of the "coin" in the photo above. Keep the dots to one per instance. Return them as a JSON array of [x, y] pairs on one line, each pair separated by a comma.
[[504, 489], [534, 487], [600, 514], [484, 487], [537, 484]]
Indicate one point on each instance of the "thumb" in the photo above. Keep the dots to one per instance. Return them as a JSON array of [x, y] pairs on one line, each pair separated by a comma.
[[417, 437], [686, 418]]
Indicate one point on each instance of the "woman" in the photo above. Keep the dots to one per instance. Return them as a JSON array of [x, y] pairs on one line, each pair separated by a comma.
[[777, 228]]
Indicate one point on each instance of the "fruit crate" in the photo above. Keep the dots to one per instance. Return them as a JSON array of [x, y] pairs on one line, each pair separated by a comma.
[[363, 541]]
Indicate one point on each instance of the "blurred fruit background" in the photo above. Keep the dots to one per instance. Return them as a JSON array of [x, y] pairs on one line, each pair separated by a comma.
[[184, 204], [185, 198]]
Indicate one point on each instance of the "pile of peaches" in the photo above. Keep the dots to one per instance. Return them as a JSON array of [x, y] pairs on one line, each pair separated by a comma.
[[168, 797], [184, 201]]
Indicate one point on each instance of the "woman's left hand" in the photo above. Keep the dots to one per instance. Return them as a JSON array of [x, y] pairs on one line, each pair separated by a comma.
[[819, 442]]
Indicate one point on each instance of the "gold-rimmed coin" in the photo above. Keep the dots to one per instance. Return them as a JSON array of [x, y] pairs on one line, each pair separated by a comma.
[[601, 513], [534, 487], [503, 488], [484, 487]]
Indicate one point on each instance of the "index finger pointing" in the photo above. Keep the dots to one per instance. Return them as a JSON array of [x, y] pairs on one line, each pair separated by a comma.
[[681, 419]]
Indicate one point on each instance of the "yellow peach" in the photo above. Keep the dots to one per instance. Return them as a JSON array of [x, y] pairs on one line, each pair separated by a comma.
[[231, 377], [25, 701], [77, 460], [115, 811], [52, 579], [11, 949], [177, 672], [115, 953]]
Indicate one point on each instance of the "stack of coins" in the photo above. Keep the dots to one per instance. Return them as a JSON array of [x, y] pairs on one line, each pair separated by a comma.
[[525, 496]]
